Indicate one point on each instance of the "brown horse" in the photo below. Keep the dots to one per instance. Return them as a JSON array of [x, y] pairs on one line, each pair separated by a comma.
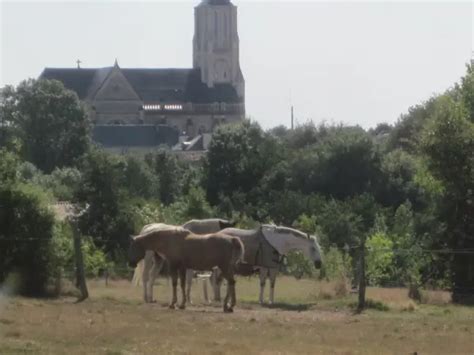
[[185, 250]]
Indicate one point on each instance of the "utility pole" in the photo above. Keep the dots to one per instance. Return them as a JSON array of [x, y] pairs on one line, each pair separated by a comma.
[[292, 118]]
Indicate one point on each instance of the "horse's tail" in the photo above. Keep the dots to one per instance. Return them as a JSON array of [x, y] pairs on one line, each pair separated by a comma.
[[138, 273], [237, 250]]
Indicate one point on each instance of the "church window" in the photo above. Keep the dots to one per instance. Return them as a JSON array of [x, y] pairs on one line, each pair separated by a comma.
[[152, 107], [173, 107], [215, 24]]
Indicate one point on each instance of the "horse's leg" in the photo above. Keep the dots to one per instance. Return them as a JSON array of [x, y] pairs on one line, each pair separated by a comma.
[[217, 280], [155, 271], [189, 282], [272, 274], [182, 279], [263, 279], [233, 300], [204, 289], [174, 281], [230, 283]]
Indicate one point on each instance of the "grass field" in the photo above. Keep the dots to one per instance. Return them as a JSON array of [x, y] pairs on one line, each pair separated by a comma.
[[309, 319]]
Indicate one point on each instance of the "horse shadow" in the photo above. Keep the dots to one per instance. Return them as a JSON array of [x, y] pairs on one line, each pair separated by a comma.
[[288, 306]]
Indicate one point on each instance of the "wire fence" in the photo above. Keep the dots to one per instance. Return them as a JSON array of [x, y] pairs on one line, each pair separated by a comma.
[[347, 248]]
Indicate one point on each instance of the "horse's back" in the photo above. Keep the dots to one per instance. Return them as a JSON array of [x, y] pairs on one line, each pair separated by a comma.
[[203, 252], [204, 226]]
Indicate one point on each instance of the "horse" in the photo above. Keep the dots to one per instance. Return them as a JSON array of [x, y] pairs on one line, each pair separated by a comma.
[[186, 250], [148, 269], [282, 240]]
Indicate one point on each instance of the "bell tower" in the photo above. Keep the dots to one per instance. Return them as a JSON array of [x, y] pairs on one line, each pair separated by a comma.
[[216, 44]]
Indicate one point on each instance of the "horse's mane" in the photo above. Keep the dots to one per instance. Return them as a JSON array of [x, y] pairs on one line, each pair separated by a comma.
[[167, 228], [288, 230]]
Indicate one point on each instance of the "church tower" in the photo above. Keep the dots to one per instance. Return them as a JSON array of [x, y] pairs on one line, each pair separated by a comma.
[[216, 44]]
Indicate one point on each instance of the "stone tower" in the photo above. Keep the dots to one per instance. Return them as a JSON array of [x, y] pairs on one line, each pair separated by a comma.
[[216, 44]]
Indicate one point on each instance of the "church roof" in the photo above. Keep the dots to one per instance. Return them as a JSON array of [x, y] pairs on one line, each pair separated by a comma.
[[151, 85], [110, 136]]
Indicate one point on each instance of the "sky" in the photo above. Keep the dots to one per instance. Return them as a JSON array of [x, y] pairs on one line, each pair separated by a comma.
[[343, 62]]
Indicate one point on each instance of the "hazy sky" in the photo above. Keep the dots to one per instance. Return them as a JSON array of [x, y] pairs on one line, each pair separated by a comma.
[[352, 62]]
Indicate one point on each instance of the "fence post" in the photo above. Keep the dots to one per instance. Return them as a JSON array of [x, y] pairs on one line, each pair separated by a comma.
[[80, 274], [362, 278]]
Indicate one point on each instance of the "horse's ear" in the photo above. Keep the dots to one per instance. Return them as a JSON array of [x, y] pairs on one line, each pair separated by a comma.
[[132, 238]]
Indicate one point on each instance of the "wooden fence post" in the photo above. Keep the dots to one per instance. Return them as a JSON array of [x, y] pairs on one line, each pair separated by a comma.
[[362, 278], [80, 273]]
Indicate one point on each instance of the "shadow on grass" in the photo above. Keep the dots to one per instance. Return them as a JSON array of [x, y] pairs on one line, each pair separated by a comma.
[[286, 306]]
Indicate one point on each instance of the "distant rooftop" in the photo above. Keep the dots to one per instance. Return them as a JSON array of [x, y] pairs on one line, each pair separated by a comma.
[[150, 84]]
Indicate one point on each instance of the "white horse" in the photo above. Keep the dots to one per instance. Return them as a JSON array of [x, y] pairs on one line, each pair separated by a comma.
[[283, 240], [148, 269]]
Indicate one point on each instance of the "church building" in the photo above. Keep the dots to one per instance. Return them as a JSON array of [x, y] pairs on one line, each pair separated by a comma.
[[135, 108]]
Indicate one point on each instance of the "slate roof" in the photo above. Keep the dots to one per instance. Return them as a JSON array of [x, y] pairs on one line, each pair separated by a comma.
[[110, 136], [78, 80], [151, 85]]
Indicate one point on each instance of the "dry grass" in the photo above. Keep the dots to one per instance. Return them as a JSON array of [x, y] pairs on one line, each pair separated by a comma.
[[114, 321]]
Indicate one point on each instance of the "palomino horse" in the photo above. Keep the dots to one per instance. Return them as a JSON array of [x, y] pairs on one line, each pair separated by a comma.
[[148, 269], [283, 240], [184, 250]]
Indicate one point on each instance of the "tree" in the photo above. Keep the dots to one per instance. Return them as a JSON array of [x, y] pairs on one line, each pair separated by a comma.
[[449, 145], [343, 164], [50, 122], [238, 158], [26, 231], [170, 174], [140, 179], [107, 208]]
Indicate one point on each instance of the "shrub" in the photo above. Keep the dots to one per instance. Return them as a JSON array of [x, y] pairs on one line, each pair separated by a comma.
[[379, 258], [336, 265], [298, 266], [27, 228]]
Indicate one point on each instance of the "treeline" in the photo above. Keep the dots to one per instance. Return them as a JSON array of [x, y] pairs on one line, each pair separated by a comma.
[[405, 192]]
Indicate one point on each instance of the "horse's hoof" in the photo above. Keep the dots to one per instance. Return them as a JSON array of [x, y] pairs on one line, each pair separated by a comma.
[[172, 306], [152, 301], [228, 310], [182, 306]]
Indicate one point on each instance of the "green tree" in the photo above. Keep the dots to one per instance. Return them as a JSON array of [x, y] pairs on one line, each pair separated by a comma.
[[140, 179], [449, 145], [379, 258], [26, 231], [345, 163], [107, 214], [170, 174], [238, 158], [49, 120]]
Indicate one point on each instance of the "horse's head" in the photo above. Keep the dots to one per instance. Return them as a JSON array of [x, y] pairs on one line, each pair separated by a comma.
[[136, 252], [314, 251]]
